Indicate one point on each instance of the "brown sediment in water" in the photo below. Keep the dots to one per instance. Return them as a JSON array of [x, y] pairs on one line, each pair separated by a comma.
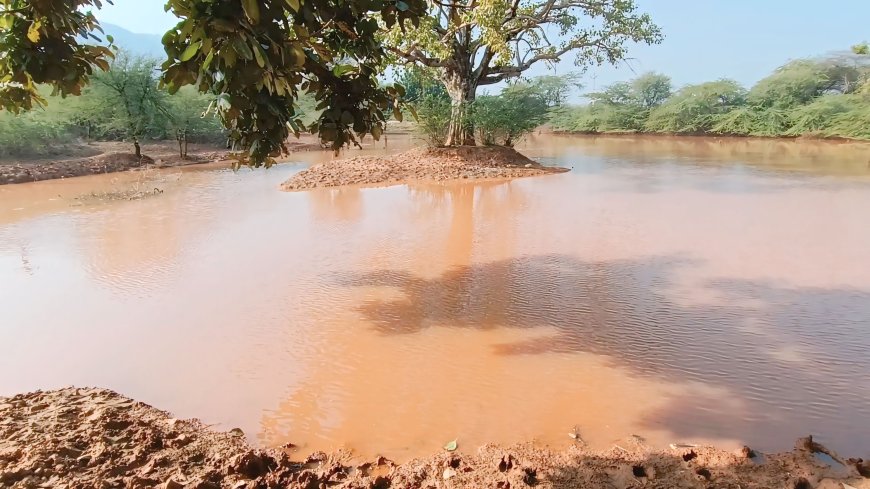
[[97, 438], [421, 164]]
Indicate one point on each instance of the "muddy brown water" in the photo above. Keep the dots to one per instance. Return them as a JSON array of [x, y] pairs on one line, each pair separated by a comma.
[[679, 289]]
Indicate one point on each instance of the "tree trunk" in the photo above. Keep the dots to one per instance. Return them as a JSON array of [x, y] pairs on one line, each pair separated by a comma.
[[462, 91]]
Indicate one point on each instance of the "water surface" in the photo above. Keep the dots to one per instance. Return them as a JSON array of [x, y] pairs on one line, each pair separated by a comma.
[[679, 289]]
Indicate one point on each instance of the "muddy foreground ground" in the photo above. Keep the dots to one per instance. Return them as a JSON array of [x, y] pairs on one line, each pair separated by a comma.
[[83, 438]]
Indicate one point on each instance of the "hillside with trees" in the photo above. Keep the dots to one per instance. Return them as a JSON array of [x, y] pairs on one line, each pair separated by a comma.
[[826, 97]]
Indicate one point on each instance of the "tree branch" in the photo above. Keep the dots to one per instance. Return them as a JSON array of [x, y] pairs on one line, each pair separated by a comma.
[[483, 68], [517, 69], [414, 55]]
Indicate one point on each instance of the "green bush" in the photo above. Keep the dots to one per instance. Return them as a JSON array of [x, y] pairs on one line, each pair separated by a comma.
[[433, 114], [696, 108], [854, 122], [506, 118], [35, 133], [796, 83]]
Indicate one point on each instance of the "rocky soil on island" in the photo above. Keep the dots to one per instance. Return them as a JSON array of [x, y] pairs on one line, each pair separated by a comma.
[[421, 164], [96, 438]]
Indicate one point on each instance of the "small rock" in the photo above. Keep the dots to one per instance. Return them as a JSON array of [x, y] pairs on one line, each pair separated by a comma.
[[202, 484], [528, 165], [448, 473], [530, 476], [747, 452], [171, 484]]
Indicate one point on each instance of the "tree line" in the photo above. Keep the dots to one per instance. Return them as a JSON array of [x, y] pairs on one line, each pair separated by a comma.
[[123, 103], [257, 57], [821, 97]]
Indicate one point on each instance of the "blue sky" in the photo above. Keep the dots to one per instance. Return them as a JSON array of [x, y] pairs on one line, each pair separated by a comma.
[[704, 39]]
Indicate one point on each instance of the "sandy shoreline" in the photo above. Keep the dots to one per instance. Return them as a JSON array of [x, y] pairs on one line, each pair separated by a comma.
[[420, 164], [97, 438]]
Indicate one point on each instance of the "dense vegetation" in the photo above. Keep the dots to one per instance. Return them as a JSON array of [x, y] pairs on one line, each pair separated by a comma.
[[124, 103], [467, 44], [496, 119], [824, 97], [258, 56], [254, 56]]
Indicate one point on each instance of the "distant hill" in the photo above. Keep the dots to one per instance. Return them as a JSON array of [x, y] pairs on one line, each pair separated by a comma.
[[138, 44]]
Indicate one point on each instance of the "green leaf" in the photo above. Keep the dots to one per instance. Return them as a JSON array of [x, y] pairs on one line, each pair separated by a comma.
[[258, 54], [241, 47], [340, 70], [208, 59], [191, 51], [293, 4], [397, 113], [414, 112], [110, 38], [252, 10], [451, 446]]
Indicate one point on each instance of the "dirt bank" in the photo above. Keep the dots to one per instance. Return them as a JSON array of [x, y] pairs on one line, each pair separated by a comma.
[[112, 156], [80, 438], [104, 157], [421, 164]]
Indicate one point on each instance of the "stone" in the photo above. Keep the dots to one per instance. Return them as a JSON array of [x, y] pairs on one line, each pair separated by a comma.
[[171, 484]]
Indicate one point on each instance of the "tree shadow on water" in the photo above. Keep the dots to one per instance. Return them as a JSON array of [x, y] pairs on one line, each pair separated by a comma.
[[792, 360]]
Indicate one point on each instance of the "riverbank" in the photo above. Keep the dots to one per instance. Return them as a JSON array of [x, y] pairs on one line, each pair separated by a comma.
[[97, 438], [707, 135], [421, 164], [105, 157], [112, 156]]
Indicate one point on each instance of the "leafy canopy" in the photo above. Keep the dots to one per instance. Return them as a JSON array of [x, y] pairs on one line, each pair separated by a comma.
[[253, 56], [41, 42], [487, 41]]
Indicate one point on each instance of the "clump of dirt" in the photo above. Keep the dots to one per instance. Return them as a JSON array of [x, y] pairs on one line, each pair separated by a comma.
[[96, 438], [438, 164]]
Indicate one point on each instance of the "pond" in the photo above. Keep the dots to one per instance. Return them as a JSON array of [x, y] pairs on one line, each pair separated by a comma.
[[686, 290]]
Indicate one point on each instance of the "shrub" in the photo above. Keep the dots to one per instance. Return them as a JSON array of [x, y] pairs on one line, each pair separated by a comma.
[[696, 108], [506, 118], [35, 133], [433, 114]]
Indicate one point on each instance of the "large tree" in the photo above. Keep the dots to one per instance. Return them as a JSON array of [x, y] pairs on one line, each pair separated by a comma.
[[254, 56], [126, 100], [481, 42]]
